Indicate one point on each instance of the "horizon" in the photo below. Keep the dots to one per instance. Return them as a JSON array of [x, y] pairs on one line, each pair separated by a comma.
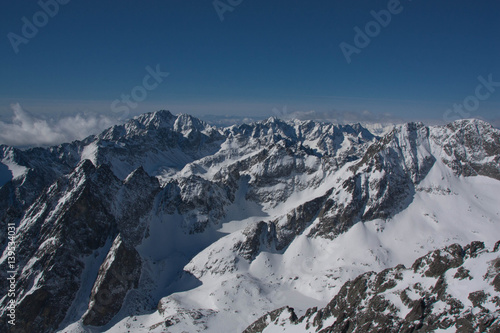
[[58, 135], [74, 67]]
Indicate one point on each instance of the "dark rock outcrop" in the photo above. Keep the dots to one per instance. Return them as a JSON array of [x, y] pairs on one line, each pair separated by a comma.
[[119, 273]]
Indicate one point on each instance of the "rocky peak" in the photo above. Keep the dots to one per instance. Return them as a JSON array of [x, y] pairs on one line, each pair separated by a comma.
[[6, 151], [186, 124], [140, 126], [157, 119], [473, 124], [139, 176], [471, 147]]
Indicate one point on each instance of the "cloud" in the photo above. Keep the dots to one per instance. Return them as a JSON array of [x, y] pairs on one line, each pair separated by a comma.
[[28, 130]]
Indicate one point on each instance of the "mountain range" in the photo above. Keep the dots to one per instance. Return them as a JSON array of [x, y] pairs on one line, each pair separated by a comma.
[[168, 224]]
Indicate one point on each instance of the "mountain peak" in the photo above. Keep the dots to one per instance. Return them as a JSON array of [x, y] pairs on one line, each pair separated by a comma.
[[157, 119], [474, 123], [185, 123]]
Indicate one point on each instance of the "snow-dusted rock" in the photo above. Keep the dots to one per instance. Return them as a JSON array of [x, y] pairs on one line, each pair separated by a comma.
[[449, 289]]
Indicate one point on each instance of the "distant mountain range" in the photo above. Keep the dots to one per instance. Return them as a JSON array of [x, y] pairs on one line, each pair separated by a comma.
[[168, 224]]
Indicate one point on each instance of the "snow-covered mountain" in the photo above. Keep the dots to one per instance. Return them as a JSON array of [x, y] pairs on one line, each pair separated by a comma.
[[168, 224]]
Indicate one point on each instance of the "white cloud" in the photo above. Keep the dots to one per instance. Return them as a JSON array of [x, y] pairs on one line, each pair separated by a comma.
[[28, 130]]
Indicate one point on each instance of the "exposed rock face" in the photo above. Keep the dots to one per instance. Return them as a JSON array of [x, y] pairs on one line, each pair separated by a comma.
[[199, 201], [258, 237], [472, 148], [70, 220], [427, 297], [119, 273], [73, 218], [36, 168], [298, 219], [276, 235], [133, 201], [438, 262], [383, 181], [283, 314]]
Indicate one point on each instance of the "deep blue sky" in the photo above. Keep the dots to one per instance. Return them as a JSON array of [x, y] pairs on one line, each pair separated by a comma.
[[264, 55]]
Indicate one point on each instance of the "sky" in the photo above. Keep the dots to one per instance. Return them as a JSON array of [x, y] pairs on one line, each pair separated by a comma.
[[94, 63]]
